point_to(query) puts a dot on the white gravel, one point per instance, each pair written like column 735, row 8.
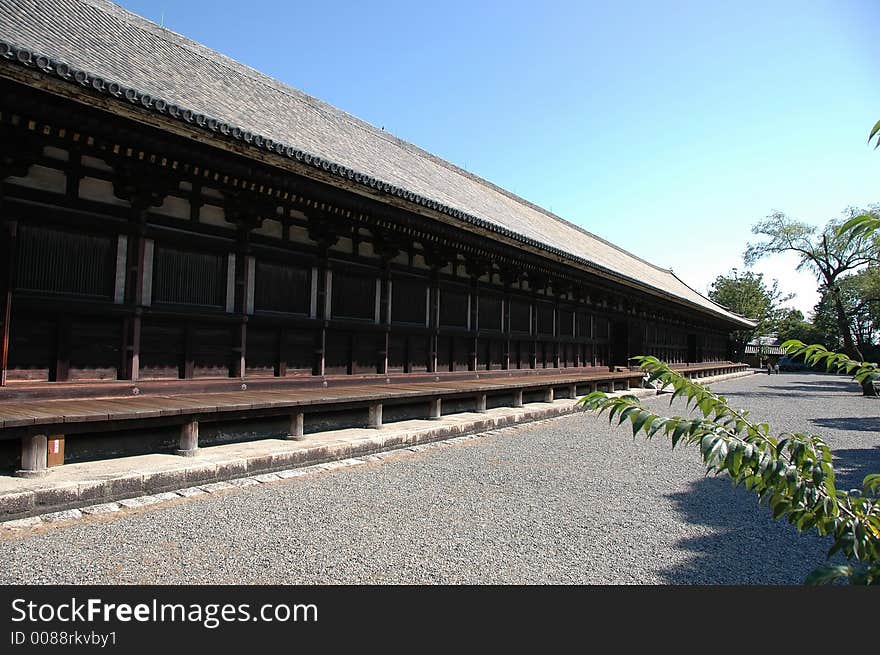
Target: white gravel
column 570, row 500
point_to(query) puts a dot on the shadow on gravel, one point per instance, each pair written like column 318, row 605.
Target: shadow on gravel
column 857, row 423
column 834, row 387
column 851, row 466
column 743, row 544
column 784, row 392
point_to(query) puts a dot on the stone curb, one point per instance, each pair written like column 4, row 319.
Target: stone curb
column 71, row 500
column 99, row 496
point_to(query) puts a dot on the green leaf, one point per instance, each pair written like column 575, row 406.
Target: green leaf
column 871, row 482
column 828, row 573
column 679, row 432
column 875, row 132
column 640, row 420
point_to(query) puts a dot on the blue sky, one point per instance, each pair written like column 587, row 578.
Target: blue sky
column 667, row 128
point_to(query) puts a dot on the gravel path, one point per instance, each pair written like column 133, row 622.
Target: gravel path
column 564, row 501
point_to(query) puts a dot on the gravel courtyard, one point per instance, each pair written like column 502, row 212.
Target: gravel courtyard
column 570, row 500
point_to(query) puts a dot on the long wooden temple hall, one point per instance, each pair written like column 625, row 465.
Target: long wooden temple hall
column 194, row 252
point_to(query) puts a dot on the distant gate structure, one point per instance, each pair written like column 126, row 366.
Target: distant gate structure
column 175, row 221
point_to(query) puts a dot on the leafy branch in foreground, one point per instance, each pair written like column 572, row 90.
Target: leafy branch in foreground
column 816, row 355
column 793, row 472
column 875, row 134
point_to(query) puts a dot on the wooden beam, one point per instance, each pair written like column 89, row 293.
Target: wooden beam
column 7, row 283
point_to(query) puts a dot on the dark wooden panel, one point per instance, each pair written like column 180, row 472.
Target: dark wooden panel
column 365, row 353
column 162, row 350
column 584, row 326
column 520, row 316
column 66, row 262
column 490, row 312
column 261, row 356
column 397, row 353
column 212, row 351
column 94, row 349
column 189, row 277
column 518, row 355
column 299, row 351
column 484, row 354
column 418, row 353
column 565, row 323
column 282, row 288
column 543, row 353
column 31, row 348
column 496, row 354
column 453, row 308
column 407, row 353
column 601, row 327
column 586, row 354
column 408, row 300
column 544, row 312
column 462, row 353
column 354, row 295
column 337, row 352
column 444, row 354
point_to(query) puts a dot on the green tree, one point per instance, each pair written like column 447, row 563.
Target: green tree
column 860, row 296
column 747, row 294
column 791, row 324
column 828, row 253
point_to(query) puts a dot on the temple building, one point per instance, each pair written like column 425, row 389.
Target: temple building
column 173, row 222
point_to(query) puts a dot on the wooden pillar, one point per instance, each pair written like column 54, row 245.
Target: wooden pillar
column 244, row 296
column 385, row 318
column 323, row 309
column 241, row 350
column 374, row 419
column 548, row 395
column 434, row 320
column 61, row 366
column 572, row 390
column 295, row 432
column 533, row 329
column 33, row 456
column 505, row 328
column 139, row 291
column 481, row 403
column 518, row 398
column 189, row 363
column 325, row 234
column 8, row 249
column 555, row 329
column 189, row 439
column 435, row 409
column 473, row 319
column 281, row 355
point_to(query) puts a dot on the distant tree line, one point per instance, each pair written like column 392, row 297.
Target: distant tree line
column 846, row 264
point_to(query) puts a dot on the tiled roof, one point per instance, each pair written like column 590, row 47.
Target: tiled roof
column 101, row 44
